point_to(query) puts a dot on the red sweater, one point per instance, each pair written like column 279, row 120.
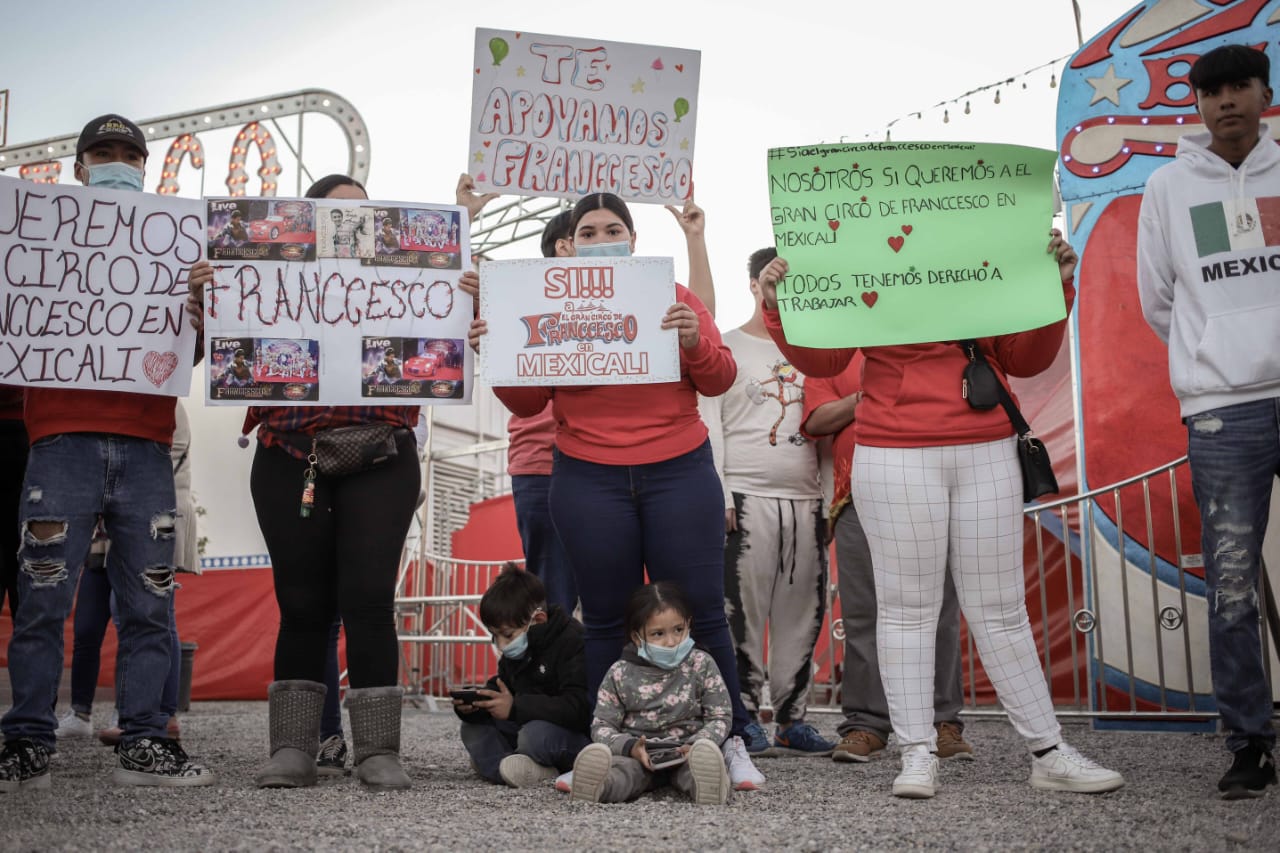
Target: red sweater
column 818, row 391
column 53, row 411
column 911, row 392
column 636, row 424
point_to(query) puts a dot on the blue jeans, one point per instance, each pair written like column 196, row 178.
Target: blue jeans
column 71, row 480
column 546, row 743
column 543, row 553
column 1235, row 456
column 617, row 521
column 95, row 607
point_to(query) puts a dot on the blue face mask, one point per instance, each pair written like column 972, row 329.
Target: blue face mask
column 115, row 176
column 519, row 645
column 667, row 658
column 604, row 250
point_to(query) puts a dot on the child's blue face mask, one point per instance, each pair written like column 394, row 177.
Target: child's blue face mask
column 519, row 645
column 667, row 658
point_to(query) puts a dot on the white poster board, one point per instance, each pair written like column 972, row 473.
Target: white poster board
column 578, row 321
column 93, row 288
column 336, row 302
column 563, row 116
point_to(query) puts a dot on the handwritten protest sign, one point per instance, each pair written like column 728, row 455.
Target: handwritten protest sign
column 578, row 321
column 336, row 302
column 561, row 116
column 908, row 242
column 94, row 287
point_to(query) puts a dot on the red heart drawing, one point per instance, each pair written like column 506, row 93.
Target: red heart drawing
column 662, row 155
column 833, row 223
column 979, row 162
column 817, row 169
column 855, row 165
column 870, row 299
column 517, row 35
column 864, row 198
column 680, row 68
column 986, row 263
column 895, row 243
column 487, row 143
column 159, row 366
column 477, row 70
column 608, row 67
column 906, row 229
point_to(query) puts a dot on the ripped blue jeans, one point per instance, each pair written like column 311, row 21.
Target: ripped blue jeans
column 1235, row 458
column 71, row 480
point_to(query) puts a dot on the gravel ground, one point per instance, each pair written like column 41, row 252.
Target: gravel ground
column 1169, row 803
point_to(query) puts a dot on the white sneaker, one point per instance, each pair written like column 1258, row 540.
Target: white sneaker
column 743, row 775
column 710, row 776
column 71, row 725
column 1064, row 769
column 521, row 771
column 919, row 777
column 591, row 773
column 564, row 782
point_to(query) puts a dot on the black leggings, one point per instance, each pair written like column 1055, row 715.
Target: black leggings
column 13, row 464
column 342, row 560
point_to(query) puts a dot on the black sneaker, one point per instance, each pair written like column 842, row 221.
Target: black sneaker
column 332, row 759
column 158, row 761
column 1251, row 772
column 24, row 764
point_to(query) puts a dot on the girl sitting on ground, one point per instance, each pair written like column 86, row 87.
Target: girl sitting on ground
column 662, row 689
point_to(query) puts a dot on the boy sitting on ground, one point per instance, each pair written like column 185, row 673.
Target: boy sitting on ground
column 533, row 717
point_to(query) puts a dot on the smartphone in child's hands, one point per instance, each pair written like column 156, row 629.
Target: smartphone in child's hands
column 467, row 694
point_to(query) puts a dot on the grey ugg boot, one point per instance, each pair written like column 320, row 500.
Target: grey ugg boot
column 375, row 736
column 294, row 709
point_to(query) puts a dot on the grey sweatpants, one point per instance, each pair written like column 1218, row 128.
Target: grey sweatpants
column 775, row 574
column 861, row 693
column 629, row 779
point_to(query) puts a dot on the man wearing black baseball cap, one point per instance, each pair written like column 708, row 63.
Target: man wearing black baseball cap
column 112, row 153
column 98, row 454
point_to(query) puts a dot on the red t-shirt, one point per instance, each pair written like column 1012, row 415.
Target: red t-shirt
column 54, row 411
column 819, row 391
column 636, row 424
column 529, row 443
column 911, row 392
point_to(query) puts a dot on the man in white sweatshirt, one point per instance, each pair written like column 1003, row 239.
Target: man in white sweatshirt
column 1209, row 279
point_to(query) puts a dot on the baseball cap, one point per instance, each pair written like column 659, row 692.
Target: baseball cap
column 111, row 127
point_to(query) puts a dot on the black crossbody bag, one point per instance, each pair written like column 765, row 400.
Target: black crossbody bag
column 983, row 390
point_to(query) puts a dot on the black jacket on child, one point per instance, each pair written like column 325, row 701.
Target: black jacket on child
column 550, row 682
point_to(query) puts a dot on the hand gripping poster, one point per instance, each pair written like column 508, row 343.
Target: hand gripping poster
column 563, row 116
column 336, row 302
column 578, row 321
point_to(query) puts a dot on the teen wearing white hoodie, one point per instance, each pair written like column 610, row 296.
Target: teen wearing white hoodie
column 1209, row 280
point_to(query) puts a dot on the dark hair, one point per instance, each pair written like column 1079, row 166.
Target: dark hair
column 236, row 213
column 598, row 201
column 653, row 598
column 1230, row 63
column 760, row 259
column 329, row 183
column 557, row 229
column 238, row 354
column 512, row 598
column 390, row 351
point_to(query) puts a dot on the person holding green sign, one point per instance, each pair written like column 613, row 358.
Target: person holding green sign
column 936, row 480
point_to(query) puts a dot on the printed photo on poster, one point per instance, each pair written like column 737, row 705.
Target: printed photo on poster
column 413, row 368
column 262, row 229
column 345, row 232
column 433, row 235
column 264, row 369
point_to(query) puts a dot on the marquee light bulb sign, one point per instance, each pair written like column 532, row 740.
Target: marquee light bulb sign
column 253, row 142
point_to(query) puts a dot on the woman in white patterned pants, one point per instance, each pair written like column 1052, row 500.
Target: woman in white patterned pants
column 936, row 481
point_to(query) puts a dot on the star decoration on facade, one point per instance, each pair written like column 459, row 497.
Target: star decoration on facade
column 478, row 156
column 637, row 87
column 1108, row 86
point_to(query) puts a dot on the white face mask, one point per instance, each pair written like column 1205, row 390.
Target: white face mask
column 604, row 250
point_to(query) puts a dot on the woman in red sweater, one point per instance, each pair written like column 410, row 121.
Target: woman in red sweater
column 633, row 484
column 934, row 478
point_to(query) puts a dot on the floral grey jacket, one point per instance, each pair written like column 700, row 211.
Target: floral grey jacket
column 638, row 699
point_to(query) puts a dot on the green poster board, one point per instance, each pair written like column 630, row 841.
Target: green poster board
column 909, row 242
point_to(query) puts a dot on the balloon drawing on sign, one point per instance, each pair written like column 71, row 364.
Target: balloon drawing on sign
column 681, row 107
column 499, row 48
column 657, row 64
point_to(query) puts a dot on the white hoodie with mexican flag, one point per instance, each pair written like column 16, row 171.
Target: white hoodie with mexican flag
column 1209, row 272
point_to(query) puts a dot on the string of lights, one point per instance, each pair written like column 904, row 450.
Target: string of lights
column 968, row 97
